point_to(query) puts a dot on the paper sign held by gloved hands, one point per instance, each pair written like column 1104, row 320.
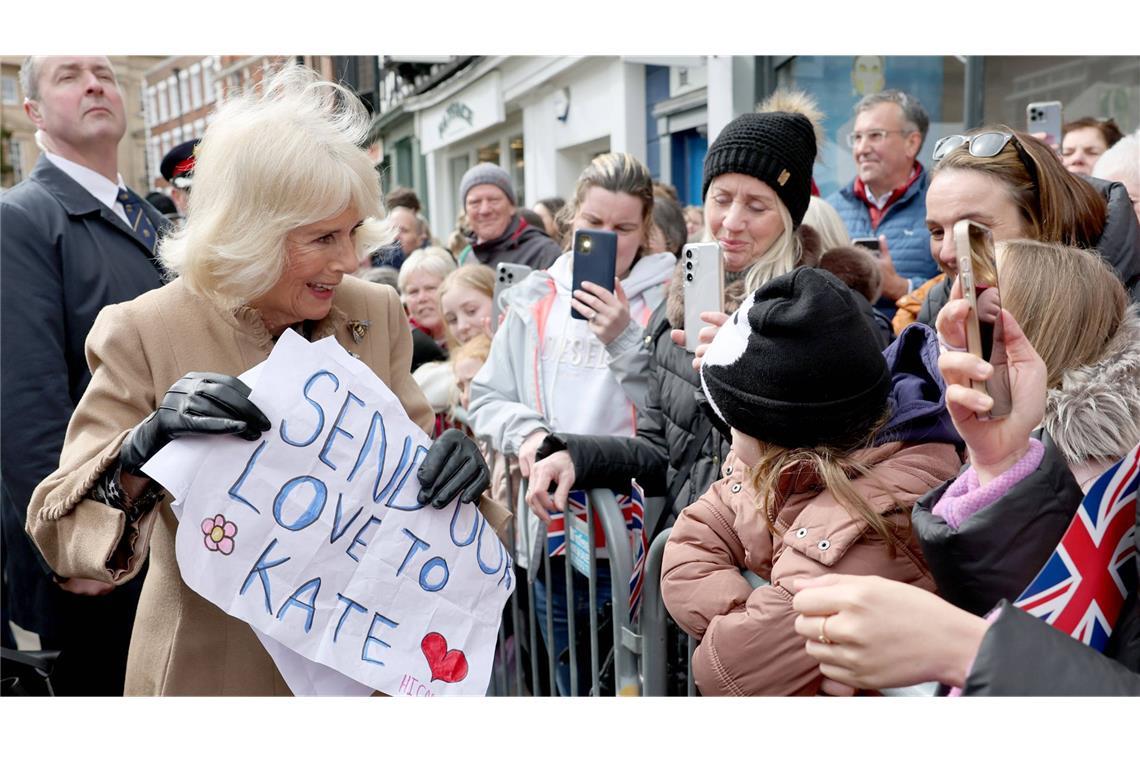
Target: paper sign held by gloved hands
column 313, row 535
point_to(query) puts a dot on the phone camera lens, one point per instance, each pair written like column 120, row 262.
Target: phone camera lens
column 688, row 265
column 689, row 276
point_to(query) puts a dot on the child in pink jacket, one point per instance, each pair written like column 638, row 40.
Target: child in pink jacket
column 832, row 445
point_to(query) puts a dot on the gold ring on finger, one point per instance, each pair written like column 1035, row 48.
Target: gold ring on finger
column 823, row 630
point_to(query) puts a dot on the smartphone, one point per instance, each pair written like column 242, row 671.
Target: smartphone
column 703, row 286
column 1045, row 117
column 985, row 338
column 595, row 260
column 870, row 243
column 506, row 275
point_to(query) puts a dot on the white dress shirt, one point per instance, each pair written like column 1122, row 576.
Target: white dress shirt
column 104, row 190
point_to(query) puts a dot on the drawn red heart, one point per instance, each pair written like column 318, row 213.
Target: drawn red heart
column 449, row 666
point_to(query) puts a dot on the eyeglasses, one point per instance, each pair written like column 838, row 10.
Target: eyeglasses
column 985, row 145
column 874, row 136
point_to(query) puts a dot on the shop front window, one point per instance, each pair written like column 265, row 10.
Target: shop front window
column 517, row 169
column 458, row 167
column 1098, row 86
column 11, row 91
column 489, row 154
column 838, row 82
column 404, row 167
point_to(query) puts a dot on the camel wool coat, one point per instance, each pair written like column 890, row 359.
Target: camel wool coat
column 181, row 643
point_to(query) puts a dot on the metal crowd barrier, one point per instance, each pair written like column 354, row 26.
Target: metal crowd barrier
column 639, row 653
column 507, row 677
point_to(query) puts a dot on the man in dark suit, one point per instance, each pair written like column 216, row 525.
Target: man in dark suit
column 74, row 240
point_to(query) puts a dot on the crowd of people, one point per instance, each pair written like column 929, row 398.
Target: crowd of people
column 830, row 432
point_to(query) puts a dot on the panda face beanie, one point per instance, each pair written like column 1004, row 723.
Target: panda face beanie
column 797, row 365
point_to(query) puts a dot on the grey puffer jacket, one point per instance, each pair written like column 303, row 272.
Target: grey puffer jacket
column 1119, row 245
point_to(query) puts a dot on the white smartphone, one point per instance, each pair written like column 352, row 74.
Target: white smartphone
column 1045, row 117
column 506, row 275
column 703, row 286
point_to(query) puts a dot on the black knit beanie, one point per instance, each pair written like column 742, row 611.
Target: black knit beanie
column 797, row 365
column 778, row 148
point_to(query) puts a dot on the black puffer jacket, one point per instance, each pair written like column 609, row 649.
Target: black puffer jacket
column 678, row 449
column 672, row 429
column 1119, row 245
column 1009, row 662
column 992, row 557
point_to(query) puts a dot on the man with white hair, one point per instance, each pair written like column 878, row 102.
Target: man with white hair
column 1121, row 163
column 498, row 232
column 75, row 239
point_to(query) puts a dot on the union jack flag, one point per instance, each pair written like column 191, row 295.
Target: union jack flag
column 633, row 510
column 640, row 540
column 1082, row 588
column 576, row 505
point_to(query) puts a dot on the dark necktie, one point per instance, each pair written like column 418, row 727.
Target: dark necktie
column 137, row 217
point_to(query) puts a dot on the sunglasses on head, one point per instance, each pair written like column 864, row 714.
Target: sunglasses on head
column 981, row 145
column 984, row 145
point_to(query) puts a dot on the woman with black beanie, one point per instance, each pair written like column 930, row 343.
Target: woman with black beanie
column 756, row 185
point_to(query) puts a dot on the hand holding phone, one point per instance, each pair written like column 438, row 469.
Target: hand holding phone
column 703, row 287
column 506, row 275
column 978, row 280
column 594, row 260
column 870, row 243
column 994, row 445
column 1044, row 118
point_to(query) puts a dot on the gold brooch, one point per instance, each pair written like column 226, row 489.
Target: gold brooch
column 357, row 328
column 784, row 177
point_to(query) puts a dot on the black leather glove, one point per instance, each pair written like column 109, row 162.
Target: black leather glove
column 453, row 466
column 200, row 403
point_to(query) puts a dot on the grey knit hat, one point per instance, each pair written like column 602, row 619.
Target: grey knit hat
column 486, row 174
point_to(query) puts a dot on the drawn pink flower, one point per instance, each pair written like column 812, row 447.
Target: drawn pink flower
column 219, row 534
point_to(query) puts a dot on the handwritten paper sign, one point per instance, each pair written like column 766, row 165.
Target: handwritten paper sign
column 312, row 534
